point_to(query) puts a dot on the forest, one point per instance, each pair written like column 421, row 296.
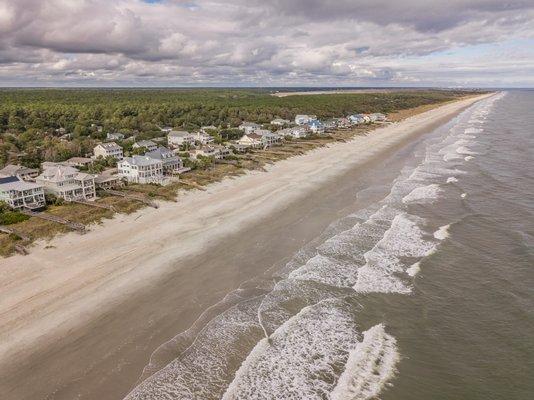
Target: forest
column 55, row 124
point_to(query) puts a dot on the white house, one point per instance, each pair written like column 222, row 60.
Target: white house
column 203, row 138
column 171, row 163
column 251, row 140
column 67, row 182
column 176, row 139
column 114, row 136
column 110, row 149
column 297, row 132
column 147, row 144
column 303, row 119
column 268, row 138
column 377, row 117
column 249, row 127
column 316, row 127
column 19, row 171
column 19, row 194
column 141, row 169
column 280, row 122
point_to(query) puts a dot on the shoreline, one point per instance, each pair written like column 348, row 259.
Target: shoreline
column 83, row 277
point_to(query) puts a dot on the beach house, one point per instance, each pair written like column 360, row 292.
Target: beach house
column 110, row 149
column 269, row 138
column 303, row 119
column 149, row 145
column 316, row 127
column 19, row 194
column 296, row 132
column 19, row 171
column 280, row 122
column 171, row 163
column 203, row 138
column 175, row 139
column 67, row 182
column 141, row 169
column 249, row 127
column 114, row 136
column 251, row 140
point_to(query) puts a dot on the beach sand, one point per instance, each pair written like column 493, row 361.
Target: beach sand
column 79, row 318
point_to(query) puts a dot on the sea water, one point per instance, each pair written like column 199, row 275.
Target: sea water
column 426, row 294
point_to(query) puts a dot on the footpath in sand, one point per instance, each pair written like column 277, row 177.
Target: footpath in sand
column 46, row 292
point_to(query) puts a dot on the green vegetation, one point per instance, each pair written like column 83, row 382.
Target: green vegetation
column 8, row 217
column 33, row 122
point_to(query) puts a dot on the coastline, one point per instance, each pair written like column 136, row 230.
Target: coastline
column 51, row 291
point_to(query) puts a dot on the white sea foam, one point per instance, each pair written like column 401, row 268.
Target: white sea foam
column 328, row 271
column 442, row 233
column 423, row 194
column 464, row 195
column 452, row 179
column 464, row 150
column 370, row 366
column 414, row 269
column 403, row 239
column 300, row 359
column 473, row 130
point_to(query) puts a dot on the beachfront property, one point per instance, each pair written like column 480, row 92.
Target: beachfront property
column 303, row 119
column 203, row 138
column 280, row 122
column 141, row 169
column 343, row 123
column 249, row 127
column 171, row 163
column 110, row 149
column 149, row 145
column 166, row 129
column 108, row 181
column 252, row 140
column 269, row 138
column 78, row 162
column 19, row 194
column 358, row 119
column 19, row 171
column 316, row 127
column 175, row 139
column 67, row 182
column 296, row 132
column 114, row 136
column 377, row 117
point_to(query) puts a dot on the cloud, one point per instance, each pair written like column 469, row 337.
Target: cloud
column 253, row 42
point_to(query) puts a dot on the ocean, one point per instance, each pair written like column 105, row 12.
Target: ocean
column 426, row 293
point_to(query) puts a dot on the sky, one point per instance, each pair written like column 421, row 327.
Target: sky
column 452, row 43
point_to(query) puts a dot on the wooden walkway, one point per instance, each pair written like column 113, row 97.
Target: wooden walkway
column 54, row 218
column 132, row 197
column 93, row 204
column 11, row 231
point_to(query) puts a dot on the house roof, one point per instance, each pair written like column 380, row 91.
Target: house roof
column 14, row 183
column 145, row 143
column 14, row 170
column 161, row 153
column 140, row 160
column 109, row 146
column 181, row 134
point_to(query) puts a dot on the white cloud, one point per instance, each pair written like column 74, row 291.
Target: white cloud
column 277, row 42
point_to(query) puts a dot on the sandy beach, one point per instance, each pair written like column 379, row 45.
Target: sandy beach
column 78, row 281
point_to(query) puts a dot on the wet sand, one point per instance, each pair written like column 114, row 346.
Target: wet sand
column 80, row 320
